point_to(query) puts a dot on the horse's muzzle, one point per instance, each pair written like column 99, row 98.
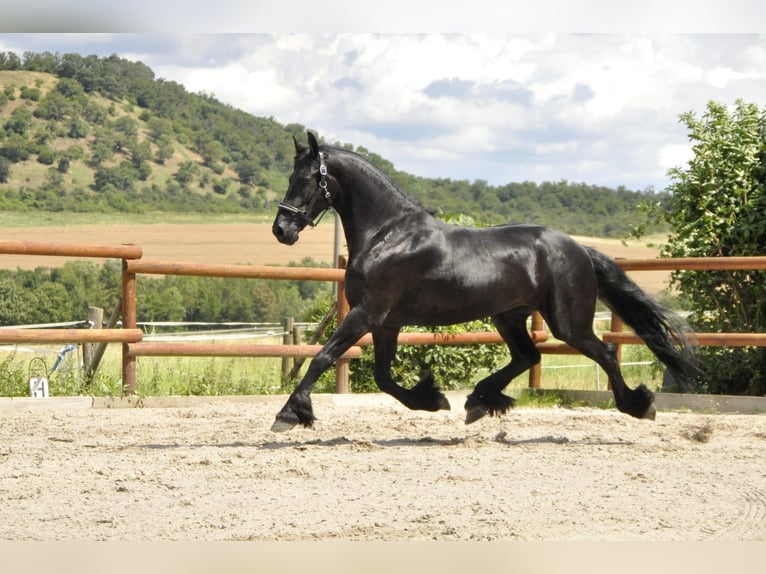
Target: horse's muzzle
column 285, row 231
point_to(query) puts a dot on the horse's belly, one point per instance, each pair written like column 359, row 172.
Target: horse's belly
column 447, row 305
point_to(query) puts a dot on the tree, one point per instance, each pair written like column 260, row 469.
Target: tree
column 17, row 148
column 9, row 61
column 46, row 155
column 248, row 171
column 125, row 132
column 716, row 208
column 54, row 106
column 165, row 150
column 186, row 172
column 102, row 149
column 20, row 121
column 77, row 129
column 122, row 177
column 160, row 302
column 13, row 307
column 5, row 169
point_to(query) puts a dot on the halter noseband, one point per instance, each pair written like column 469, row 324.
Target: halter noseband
column 322, row 191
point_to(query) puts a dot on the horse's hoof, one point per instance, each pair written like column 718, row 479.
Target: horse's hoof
column 475, row 414
column 650, row 413
column 444, row 404
column 282, row 425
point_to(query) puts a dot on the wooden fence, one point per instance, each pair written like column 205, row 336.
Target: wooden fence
column 131, row 337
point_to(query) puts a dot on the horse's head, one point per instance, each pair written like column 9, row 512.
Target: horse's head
column 307, row 196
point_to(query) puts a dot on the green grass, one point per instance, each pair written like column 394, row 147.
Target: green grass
column 155, row 376
column 80, row 175
column 578, row 372
column 165, row 376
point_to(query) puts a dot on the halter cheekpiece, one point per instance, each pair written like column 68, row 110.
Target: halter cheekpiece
column 321, row 192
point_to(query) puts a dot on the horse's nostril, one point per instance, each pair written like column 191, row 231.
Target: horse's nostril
column 278, row 231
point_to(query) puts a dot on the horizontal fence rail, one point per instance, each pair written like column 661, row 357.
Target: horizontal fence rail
column 239, row 271
column 71, row 249
column 628, row 338
column 693, row 264
column 131, row 337
column 70, row 335
column 704, row 339
column 214, row 350
column 476, row 338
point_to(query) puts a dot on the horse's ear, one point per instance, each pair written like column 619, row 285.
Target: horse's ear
column 299, row 147
column 314, row 145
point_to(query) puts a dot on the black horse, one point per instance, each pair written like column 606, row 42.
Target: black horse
column 406, row 267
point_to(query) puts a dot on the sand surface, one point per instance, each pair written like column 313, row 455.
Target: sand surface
column 372, row 470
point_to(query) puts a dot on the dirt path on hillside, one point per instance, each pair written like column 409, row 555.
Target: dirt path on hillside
column 371, row 470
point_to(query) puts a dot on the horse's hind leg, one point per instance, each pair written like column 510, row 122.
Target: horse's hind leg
column 576, row 329
column 424, row 396
column 487, row 397
column 635, row 402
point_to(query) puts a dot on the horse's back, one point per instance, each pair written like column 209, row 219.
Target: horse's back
column 484, row 271
column 520, row 241
column 537, row 260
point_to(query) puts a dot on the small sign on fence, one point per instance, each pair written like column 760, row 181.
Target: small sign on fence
column 38, row 387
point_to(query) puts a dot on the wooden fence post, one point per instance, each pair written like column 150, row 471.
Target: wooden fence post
column 341, row 365
column 128, row 322
column 287, row 339
column 535, row 373
column 318, row 332
column 99, row 348
column 615, row 326
column 96, row 320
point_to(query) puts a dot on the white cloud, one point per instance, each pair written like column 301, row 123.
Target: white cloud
column 600, row 108
column 721, row 76
column 674, row 155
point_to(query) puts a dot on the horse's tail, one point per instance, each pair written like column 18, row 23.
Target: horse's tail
column 660, row 328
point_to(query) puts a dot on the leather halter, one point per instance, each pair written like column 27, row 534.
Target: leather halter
column 322, row 191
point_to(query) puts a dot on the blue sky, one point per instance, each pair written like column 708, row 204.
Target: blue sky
column 582, row 100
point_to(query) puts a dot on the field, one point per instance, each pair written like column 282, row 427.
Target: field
column 227, row 243
column 232, row 242
column 371, row 470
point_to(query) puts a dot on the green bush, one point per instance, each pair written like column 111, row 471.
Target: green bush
column 453, row 366
column 716, row 209
column 13, row 382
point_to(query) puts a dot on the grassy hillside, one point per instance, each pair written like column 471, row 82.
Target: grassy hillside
column 88, row 134
column 94, row 156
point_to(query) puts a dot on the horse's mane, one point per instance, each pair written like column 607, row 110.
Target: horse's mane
column 378, row 177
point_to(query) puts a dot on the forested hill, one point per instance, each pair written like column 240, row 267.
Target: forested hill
column 104, row 134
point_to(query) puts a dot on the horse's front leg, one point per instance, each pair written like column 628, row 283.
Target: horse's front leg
column 298, row 409
column 423, row 396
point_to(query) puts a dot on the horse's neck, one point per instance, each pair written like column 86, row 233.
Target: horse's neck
column 369, row 207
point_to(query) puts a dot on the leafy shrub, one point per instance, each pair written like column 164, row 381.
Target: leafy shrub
column 716, row 210
column 453, row 366
column 13, row 382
